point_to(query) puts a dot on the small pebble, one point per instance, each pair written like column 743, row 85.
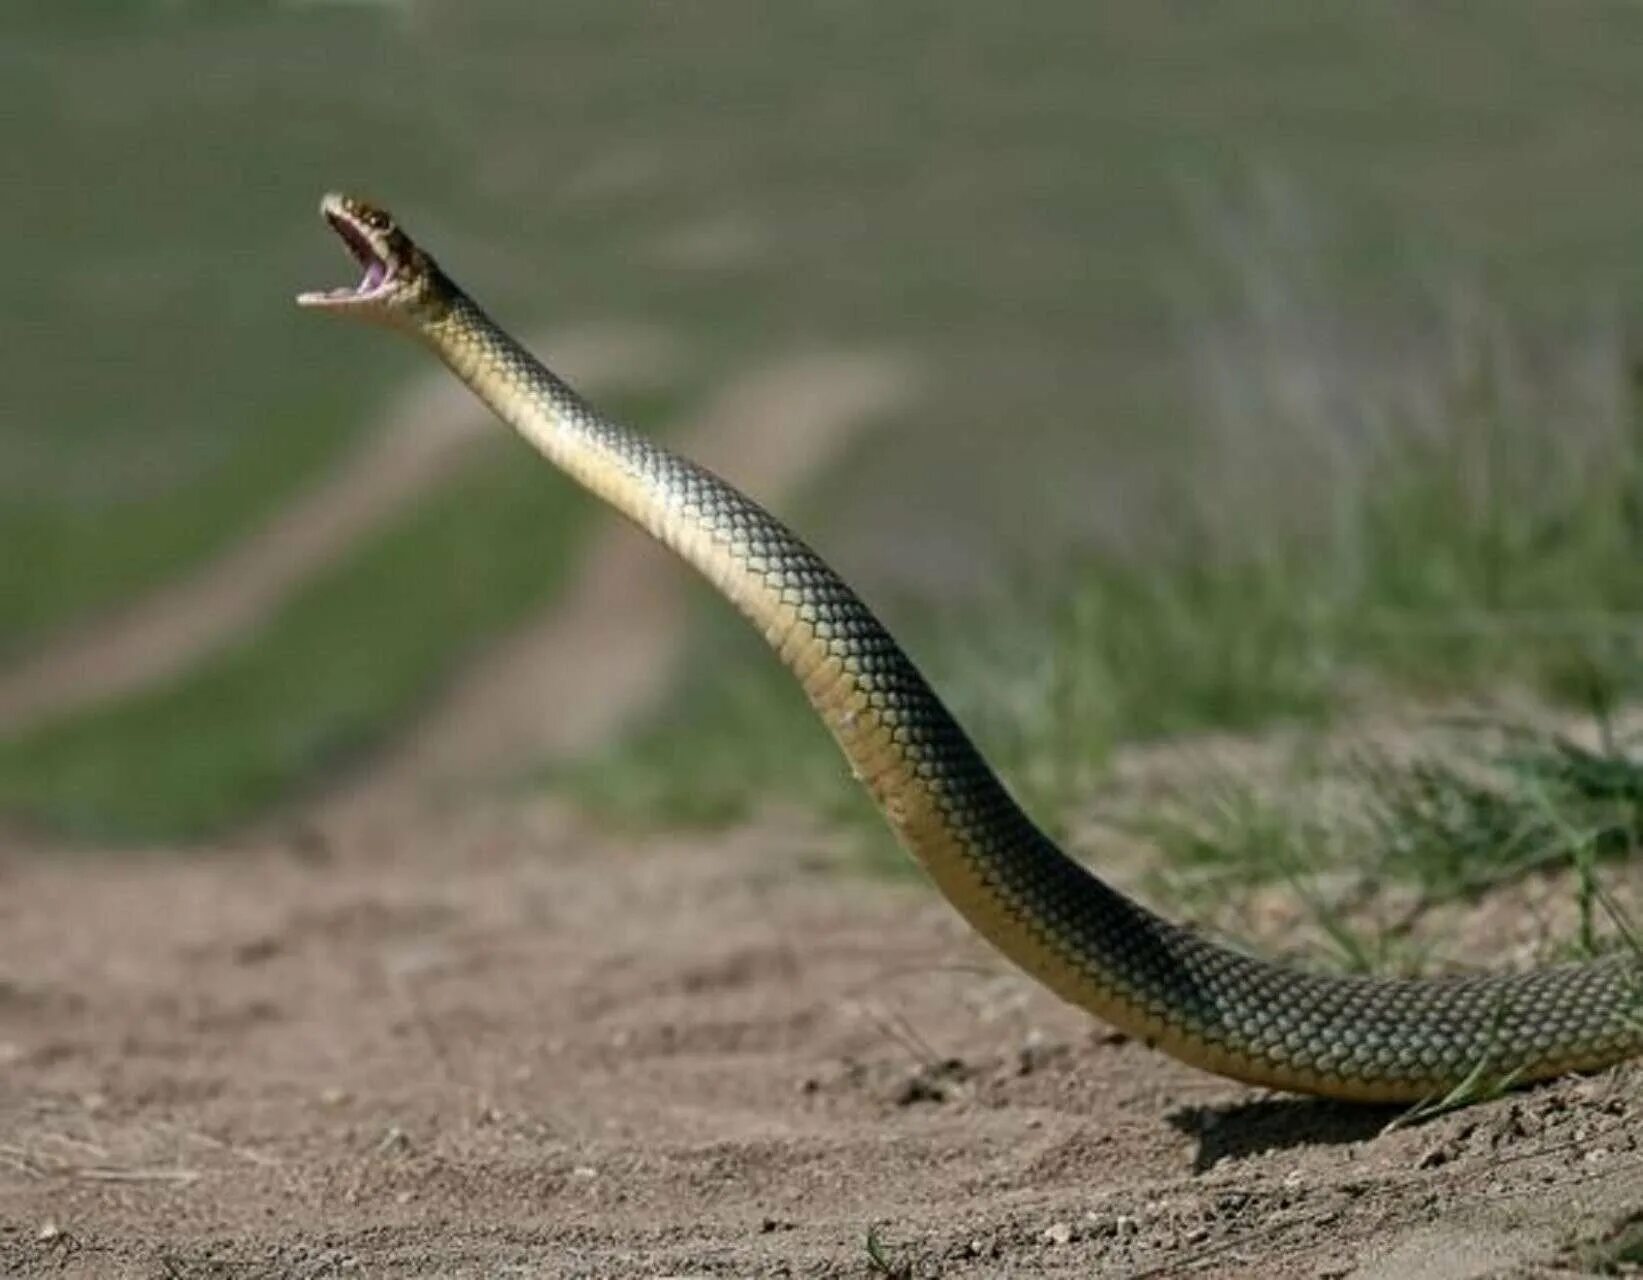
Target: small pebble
column 1058, row 1233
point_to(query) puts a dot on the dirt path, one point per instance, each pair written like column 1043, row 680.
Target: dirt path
column 421, row 438
column 573, row 677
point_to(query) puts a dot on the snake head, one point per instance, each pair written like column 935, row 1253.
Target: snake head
column 402, row 285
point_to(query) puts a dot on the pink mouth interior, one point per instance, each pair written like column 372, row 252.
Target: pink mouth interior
column 376, row 270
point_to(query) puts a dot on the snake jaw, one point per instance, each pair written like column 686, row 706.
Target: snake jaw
column 382, row 250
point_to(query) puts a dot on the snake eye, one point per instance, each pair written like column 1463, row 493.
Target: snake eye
column 364, row 214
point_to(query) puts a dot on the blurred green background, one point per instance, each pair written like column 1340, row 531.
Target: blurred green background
column 1251, row 333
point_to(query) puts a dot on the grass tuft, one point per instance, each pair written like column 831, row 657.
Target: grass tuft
column 881, row 1263
column 1462, row 823
column 1371, row 844
column 1619, row 1252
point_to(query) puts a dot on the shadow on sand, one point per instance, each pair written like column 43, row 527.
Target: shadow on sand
column 1277, row 1124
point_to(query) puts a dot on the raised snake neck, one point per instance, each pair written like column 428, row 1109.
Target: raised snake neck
column 1346, row 1036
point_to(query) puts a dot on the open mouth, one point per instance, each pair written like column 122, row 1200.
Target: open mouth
column 378, row 273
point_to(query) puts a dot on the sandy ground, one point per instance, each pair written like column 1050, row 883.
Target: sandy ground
column 517, row 1046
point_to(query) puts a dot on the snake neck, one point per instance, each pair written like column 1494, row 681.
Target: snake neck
column 944, row 803
column 771, row 576
column 529, row 397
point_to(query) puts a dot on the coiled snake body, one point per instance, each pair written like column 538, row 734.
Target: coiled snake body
column 1367, row 1038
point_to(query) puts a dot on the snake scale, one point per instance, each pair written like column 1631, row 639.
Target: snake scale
column 1345, row 1036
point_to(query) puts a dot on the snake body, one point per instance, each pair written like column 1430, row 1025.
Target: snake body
column 1355, row 1037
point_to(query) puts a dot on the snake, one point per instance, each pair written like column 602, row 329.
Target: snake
column 1353, row 1036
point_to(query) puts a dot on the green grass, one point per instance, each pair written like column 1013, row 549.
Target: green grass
column 1463, row 825
column 68, row 560
column 1026, row 228
column 1619, row 1252
column 1480, row 808
column 1005, row 198
column 883, row 1261
column 163, row 394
